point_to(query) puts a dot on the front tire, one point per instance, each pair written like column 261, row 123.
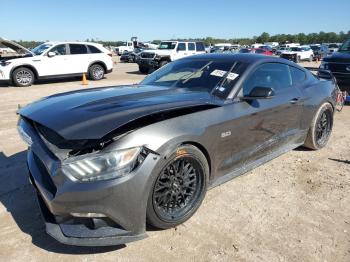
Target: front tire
column 143, row 70
column 179, row 189
column 163, row 63
column 96, row 72
column 23, row 77
column 321, row 128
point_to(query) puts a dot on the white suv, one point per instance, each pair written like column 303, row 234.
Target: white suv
column 168, row 51
column 52, row 60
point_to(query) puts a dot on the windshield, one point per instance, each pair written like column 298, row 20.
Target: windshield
column 167, row 45
column 295, row 48
column 40, row 49
column 315, row 47
column 217, row 77
column 333, row 46
column 345, row 47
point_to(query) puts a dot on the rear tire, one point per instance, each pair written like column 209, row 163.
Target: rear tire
column 179, row 189
column 320, row 128
column 23, row 77
column 96, row 72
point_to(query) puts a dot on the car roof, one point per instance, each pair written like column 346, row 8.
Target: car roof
column 243, row 57
column 71, row 42
column 182, row 41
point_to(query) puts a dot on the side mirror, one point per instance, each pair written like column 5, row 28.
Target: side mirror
column 325, row 74
column 260, row 92
column 51, row 54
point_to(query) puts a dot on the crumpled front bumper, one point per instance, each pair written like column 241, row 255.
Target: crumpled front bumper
column 120, row 202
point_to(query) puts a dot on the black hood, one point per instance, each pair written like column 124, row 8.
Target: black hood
column 340, row 57
column 93, row 113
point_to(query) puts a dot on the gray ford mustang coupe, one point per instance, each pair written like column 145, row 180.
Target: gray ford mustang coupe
column 107, row 161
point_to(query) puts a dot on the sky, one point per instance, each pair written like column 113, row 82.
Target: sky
column 165, row 19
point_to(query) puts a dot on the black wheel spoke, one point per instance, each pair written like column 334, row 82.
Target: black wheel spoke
column 323, row 128
column 178, row 188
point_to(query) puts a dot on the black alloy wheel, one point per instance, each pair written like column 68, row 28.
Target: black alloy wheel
column 323, row 128
column 179, row 188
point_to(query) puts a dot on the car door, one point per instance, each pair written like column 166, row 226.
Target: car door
column 77, row 59
column 264, row 126
column 53, row 65
column 181, row 50
column 191, row 47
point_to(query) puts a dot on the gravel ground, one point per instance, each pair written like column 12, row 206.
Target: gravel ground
column 294, row 208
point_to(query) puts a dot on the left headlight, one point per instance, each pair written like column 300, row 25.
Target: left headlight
column 102, row 166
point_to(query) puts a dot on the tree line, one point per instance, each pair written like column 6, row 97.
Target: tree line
column 321, row 37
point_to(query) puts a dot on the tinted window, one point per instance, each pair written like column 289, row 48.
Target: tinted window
column 298, row 75
column 59, row 50
column 259, row 51
column 191, row 47
column 200, row 46
column 274, row 75
column 181, row 47
column 94, row 49
column 76, row 49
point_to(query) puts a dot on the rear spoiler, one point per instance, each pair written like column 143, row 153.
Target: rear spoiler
column 322, row 73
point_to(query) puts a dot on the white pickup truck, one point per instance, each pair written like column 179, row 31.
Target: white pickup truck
column 168, row 51
column 127, row 46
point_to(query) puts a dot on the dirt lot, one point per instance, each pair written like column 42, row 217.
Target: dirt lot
column 295, row 208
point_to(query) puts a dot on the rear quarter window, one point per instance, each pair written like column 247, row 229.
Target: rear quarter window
column 94, row 49
column 298, row 76
column 200, row 46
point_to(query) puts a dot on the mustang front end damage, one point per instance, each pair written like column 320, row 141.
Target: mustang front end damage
column 90, row 199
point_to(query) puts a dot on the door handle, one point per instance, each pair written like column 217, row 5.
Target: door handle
column 294, row 100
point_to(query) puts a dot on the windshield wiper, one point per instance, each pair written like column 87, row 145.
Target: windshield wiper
column 185, row 80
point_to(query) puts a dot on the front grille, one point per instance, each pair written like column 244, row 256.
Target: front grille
column 338, row 67
column 44, row 176
column 147, row 55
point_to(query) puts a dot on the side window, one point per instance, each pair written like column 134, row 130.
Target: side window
column 76, row 49
column 94, row 49
column 298, row 76
column 200, row 46
column 181, row 47
column 274, row 75
column 59, row 49
column 191, row 47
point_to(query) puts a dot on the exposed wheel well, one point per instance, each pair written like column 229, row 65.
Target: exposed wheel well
column 99, row 63
column 166, row 58
column 36, row 75
column 202, row 149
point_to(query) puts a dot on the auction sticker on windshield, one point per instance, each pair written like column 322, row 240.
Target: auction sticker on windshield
column 219, row 73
